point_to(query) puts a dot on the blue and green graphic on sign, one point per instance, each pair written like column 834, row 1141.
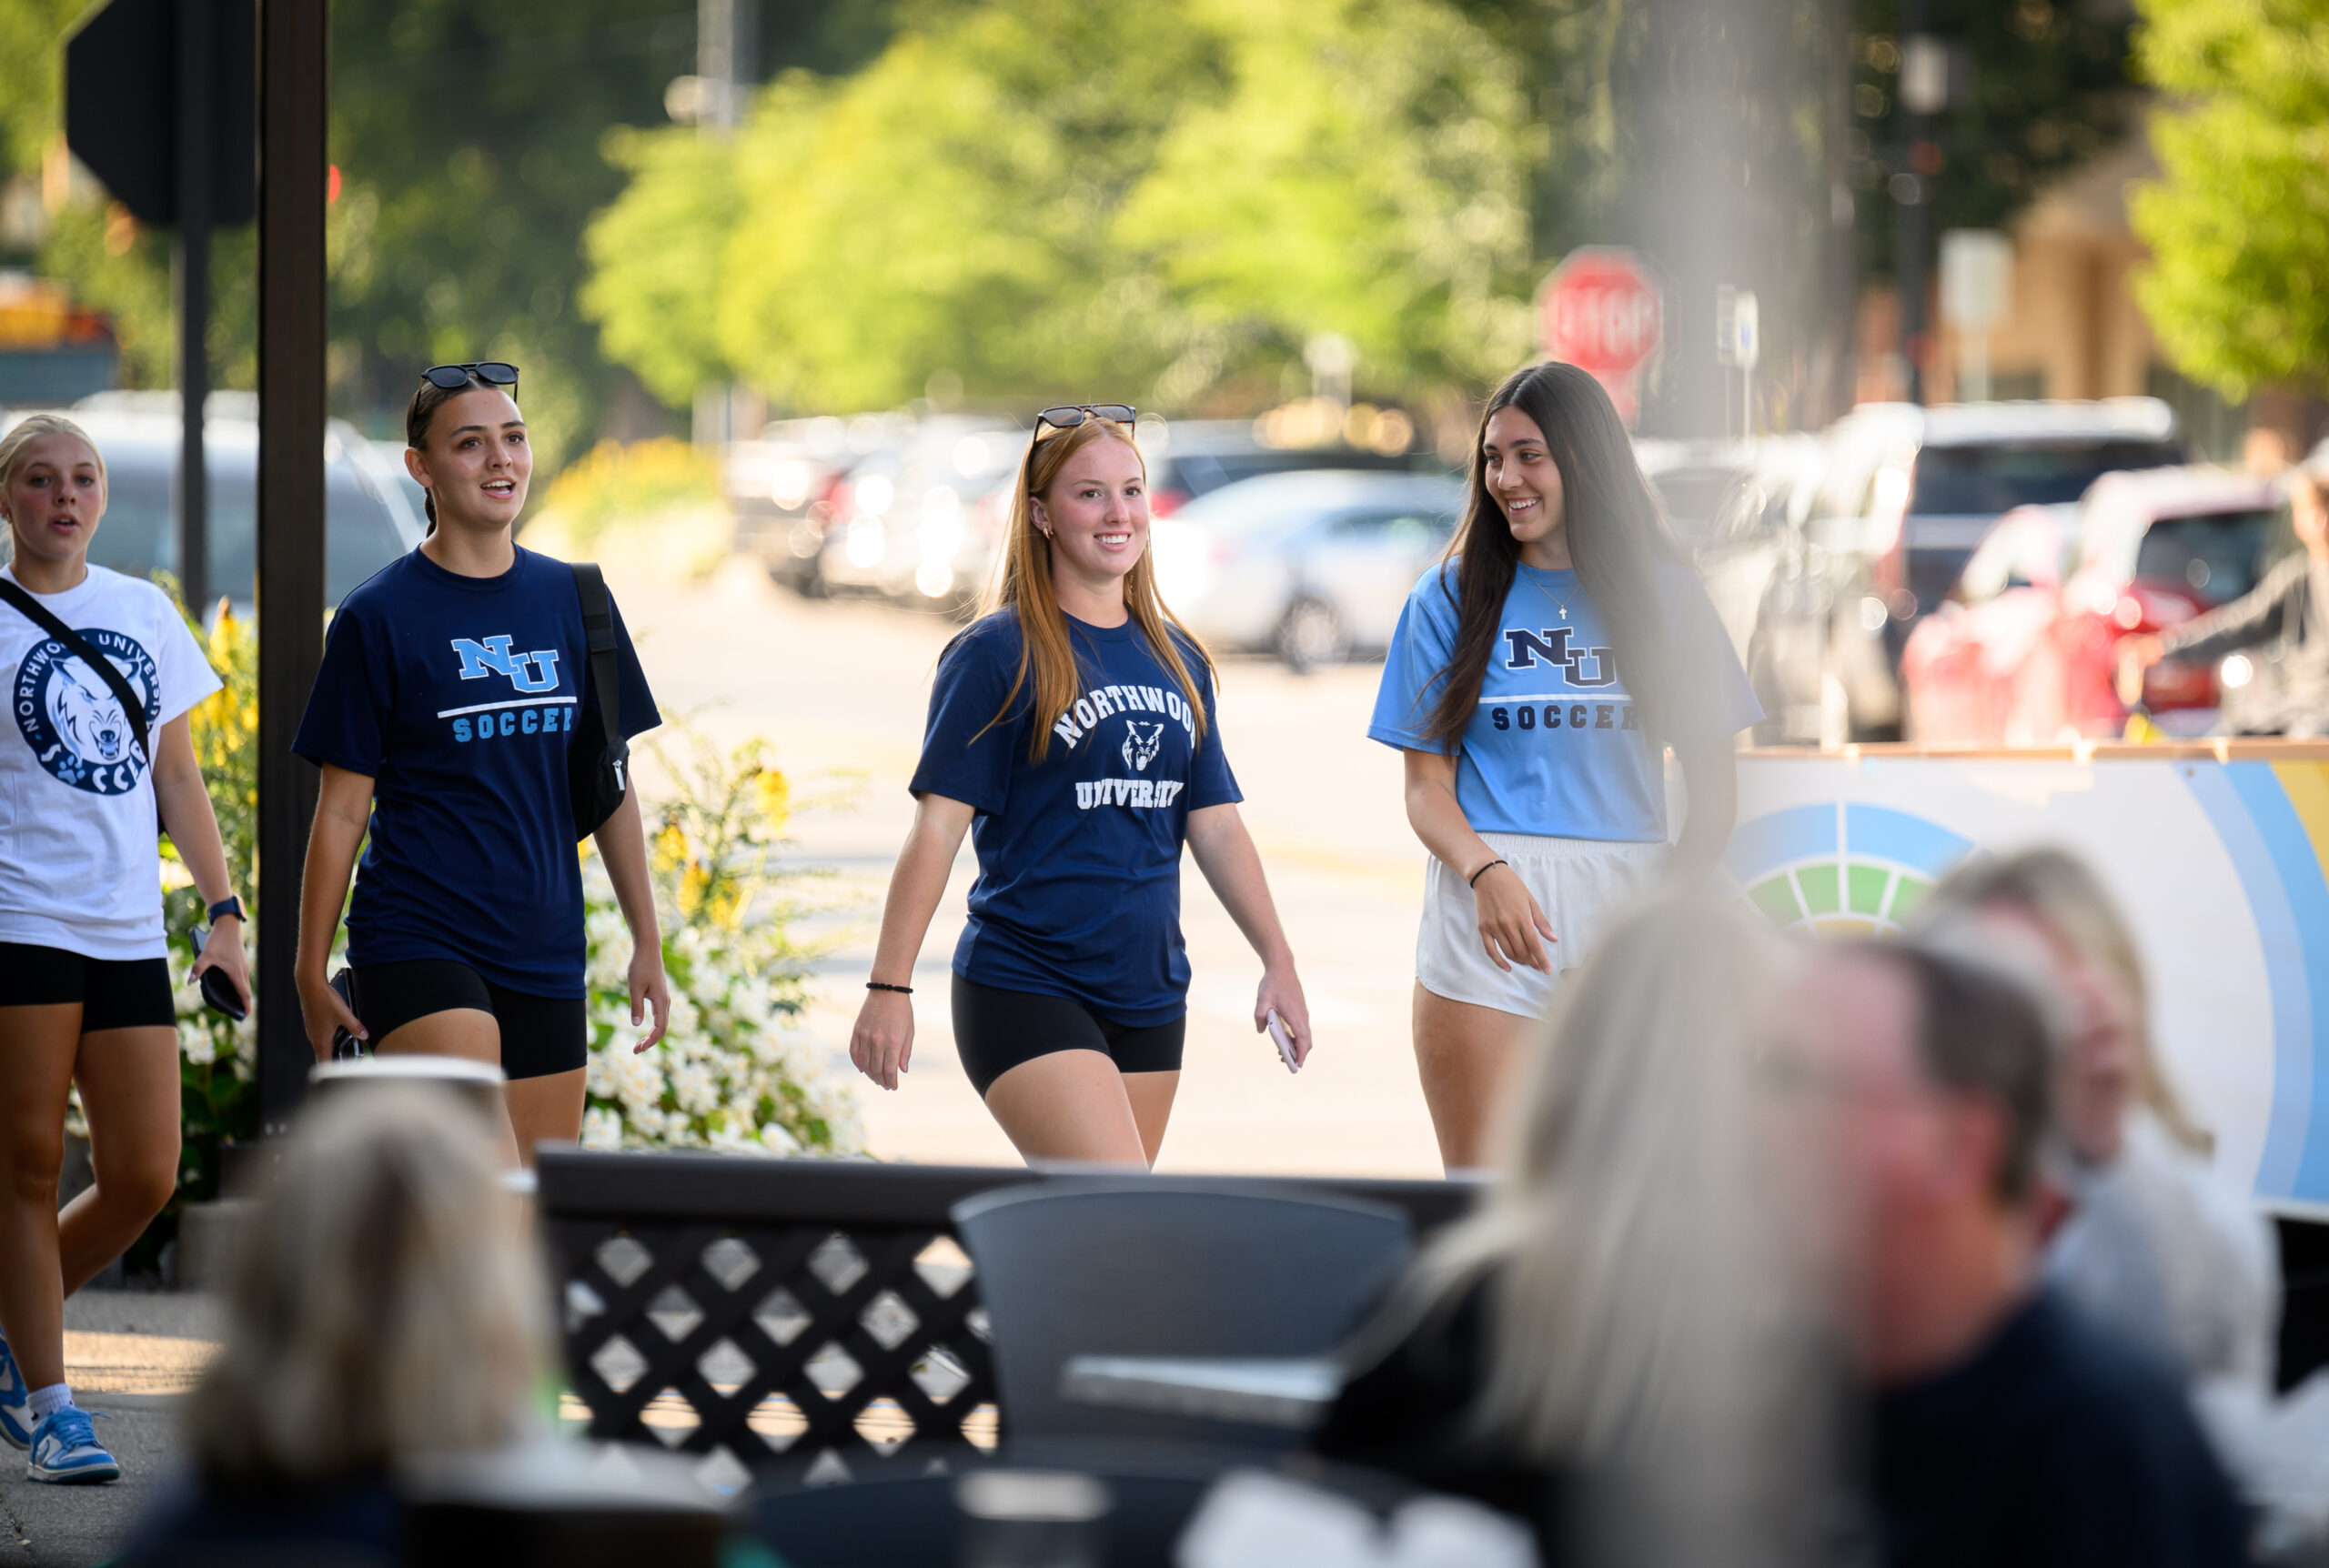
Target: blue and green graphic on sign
column 1834, row 869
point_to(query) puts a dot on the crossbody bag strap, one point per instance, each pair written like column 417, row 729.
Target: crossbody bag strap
column 599, row 626
column 131, row 708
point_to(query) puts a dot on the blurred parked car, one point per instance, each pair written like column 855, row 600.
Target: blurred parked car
column 1984, row 668
column 1190, row 458
column 774, row 483
column 368, row 521
column 2023, row 654
column 1695, row 481
column 1905, row 496
column 1312, row 567
column 1766, row 495
column 901, row 520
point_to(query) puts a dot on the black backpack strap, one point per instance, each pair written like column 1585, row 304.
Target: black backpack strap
column 131, row 708
column 599, row 625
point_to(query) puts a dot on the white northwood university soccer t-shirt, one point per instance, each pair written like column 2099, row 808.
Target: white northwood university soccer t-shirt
column 79, row 868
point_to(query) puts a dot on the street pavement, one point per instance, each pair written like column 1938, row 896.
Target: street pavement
column 842, row 689
column 130, row 1356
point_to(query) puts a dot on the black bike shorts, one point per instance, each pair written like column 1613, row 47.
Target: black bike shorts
column 996, row 1030
column 114, row 993
column 540, row 1034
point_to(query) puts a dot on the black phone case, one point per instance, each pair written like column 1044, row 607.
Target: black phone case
column 218, row 992
column 346, row 1047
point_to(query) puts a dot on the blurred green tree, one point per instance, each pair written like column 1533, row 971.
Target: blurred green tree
column 1366, row 174
column 470, row 142
column 654, row 259
column 1010, row 194
column 2045, row 88
column 2238, row 225
column 113, row 264
column 467, row 137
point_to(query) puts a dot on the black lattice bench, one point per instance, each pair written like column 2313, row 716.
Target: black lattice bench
column 802, row 1318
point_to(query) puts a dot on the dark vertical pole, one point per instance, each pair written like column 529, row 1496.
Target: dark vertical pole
column 1912, row 210
column 293, row 56
column 196, row 84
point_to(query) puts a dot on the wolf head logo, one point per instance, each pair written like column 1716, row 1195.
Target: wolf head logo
column 1141, row 741
column 88, row 716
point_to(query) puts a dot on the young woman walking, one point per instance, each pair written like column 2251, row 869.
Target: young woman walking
column 1072, row 733
column 452, row 685
column 85, row 985
column 1534, row 683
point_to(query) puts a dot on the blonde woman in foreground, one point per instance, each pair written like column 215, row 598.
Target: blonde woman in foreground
column 1072, row 735
column 390, row 1307
column 1614, row 1348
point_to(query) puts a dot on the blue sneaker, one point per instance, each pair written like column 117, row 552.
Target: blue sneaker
column 15, row 1401
column 65, row 1450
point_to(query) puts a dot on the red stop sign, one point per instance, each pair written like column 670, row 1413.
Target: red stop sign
column 1600, row 311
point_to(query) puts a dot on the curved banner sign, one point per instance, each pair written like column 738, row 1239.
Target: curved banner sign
column 2219, row 854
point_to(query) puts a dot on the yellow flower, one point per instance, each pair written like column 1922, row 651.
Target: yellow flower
column 773, row 797
column 671, row 847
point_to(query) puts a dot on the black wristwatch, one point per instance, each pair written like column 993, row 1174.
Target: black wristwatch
column 229, row 905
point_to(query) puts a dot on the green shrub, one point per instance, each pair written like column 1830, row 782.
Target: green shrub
column 735, row 1072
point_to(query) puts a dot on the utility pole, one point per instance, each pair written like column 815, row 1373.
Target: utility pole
column 1925, row 93
column 725, row 43
column 295, row 57
column 198, row 44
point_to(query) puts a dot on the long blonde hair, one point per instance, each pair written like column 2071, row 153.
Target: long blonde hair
column 1023, row 585
column 1641, row 1319
column 389, row 1303
column 2061, row 893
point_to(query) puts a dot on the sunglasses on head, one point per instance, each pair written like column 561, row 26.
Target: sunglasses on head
column 453, row 377
column 1067, row 417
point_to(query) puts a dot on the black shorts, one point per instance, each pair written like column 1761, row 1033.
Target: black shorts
column 996, row 1030
column 540, row 1034
column 114, row 993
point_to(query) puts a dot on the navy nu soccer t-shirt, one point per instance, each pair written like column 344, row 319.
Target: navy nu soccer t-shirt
column 1079, row 886
column 458, row 697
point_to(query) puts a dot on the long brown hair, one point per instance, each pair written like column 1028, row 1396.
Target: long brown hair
column 1023, row 585
column 1617, row 537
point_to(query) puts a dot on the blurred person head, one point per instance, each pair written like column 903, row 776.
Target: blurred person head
column 1925, row 1075
column 52, row 488
column 1638, row 1247
column 1080, row 506
column 2265, row 451
column 389, row 1303
column 466, row 446
column 1552, row 457
column 2048, row 906
column 2309, row 506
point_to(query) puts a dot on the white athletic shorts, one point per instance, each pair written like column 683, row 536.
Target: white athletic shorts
column 1583, row 885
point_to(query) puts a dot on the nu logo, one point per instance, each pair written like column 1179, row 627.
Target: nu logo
column 1551, row 645
column 535, row 671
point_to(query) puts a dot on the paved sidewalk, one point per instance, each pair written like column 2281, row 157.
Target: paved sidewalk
column 131, row 1356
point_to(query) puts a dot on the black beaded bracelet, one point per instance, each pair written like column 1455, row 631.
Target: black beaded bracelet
column 900, row 990
column 1474, row 881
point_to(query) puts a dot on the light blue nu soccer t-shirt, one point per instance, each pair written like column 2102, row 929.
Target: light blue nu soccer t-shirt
column 1555, row 748
column 458, row 697
column 1079, row 886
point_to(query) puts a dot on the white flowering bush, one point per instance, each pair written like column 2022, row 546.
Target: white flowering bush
column 736, row 1071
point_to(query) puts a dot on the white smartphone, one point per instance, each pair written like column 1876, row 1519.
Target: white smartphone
column 1284, row 1039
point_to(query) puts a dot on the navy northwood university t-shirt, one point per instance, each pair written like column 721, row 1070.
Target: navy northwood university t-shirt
column 1079, row 886
column 458, row 697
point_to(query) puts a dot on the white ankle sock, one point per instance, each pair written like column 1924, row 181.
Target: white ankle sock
column 48, row 1401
